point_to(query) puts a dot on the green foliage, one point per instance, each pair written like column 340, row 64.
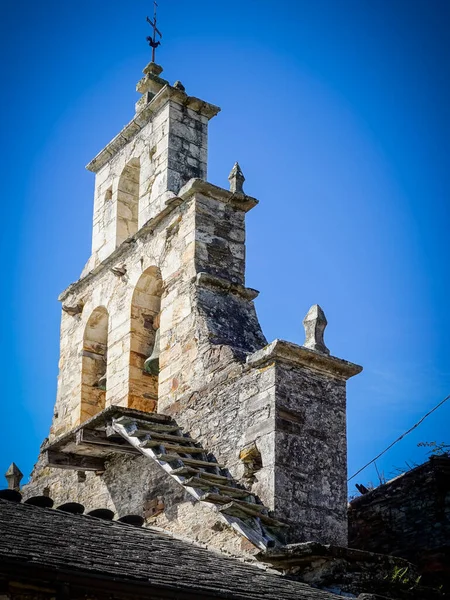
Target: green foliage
column 403, row 576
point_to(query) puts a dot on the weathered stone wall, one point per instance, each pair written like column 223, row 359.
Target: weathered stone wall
column 220, row 238
column 311, row 453
column 294, row 417
column 408, row 517
column 233, row 410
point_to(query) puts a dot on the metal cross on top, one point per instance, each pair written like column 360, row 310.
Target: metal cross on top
column 152, row 40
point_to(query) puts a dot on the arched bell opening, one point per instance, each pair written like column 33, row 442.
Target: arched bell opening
column 128, row 201
column 94, row 362
column 144, row 346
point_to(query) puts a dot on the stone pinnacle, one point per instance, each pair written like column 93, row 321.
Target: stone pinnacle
column 13, row 476
column 236, row 179
column 315, row 323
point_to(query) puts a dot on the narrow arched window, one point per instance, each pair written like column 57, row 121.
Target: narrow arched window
column 94, row 363
column 144, row 348
column 128, row 201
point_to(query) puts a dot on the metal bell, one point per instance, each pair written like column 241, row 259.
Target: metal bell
column 151, row 365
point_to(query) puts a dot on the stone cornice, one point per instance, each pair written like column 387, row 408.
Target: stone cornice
column 199, row 186
column 207, row 280
column 144, row 116
column 286, row 352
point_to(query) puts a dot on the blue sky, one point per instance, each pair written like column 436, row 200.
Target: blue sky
column 338, row 113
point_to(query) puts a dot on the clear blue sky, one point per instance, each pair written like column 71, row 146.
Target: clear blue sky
column 338, row 113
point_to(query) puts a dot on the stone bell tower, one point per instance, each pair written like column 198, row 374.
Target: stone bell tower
column 112, row 315
column 165, row 374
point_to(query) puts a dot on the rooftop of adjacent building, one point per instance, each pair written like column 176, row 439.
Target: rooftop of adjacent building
column 42, row 544
column 436, row 467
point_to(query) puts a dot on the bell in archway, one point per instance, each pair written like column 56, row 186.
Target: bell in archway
column 101, row 383
column 151, row 365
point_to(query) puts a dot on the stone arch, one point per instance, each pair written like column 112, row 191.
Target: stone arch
column 94, row 361
column 128, row 201
column 145, row 311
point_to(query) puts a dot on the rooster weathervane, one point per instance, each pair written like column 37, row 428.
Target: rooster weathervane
column 152, row 39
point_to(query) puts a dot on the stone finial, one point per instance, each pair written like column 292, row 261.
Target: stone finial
column 13, row 476
column 315, row 323
column 236, row 179
column 150, row 84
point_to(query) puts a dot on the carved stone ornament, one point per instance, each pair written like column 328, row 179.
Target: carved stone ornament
column 236, row 179
column 315, row 323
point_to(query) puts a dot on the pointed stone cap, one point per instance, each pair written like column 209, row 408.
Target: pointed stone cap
column 236, row 179
column 150, row 84
column 153, row 69
column 13, row 476
column 315, row 323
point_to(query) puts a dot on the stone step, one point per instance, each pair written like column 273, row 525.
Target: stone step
column 204, row 484
column 152, row 428
column 149, row 418
column 171, row 448
column 244, row 510
column 158, row 435
column 213, row 477
column 189, row 461
column 250, row 508
column 214, row 498
column 150, row 443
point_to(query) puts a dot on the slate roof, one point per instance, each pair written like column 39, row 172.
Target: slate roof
column 34, row 539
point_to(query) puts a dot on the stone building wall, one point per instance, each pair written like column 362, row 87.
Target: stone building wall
column 285, row 413
column 311, row 455
column 408, row 517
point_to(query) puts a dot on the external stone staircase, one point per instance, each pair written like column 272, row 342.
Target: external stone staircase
column 160, row 439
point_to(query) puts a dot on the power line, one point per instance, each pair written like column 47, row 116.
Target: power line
column 400, row 438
